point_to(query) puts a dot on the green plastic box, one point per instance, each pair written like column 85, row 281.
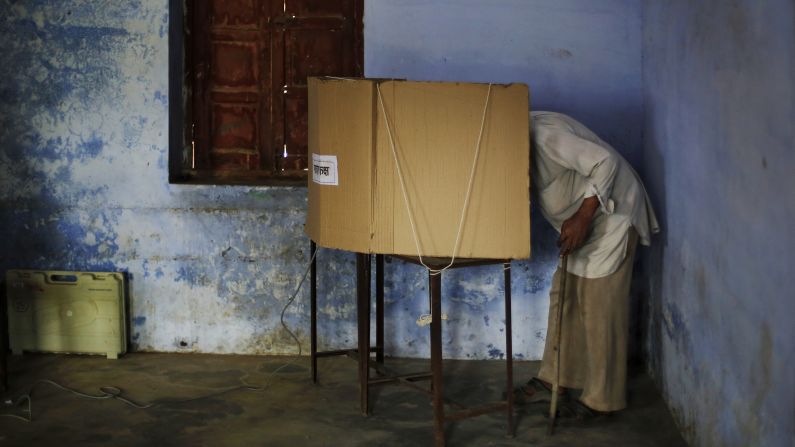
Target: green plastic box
column 67, row 312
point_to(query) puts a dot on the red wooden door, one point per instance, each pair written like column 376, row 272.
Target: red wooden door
column 250, row 62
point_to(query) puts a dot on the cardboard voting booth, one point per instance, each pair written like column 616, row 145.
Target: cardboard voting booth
column 361, row 200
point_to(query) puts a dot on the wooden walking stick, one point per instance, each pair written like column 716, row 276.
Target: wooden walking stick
column 553, row 404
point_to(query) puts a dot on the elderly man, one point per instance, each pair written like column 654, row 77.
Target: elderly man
column 594, row 198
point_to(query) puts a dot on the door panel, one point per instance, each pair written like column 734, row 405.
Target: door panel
column 239, row 91
column 250, row 60
column 318, row 41
column 235, row 127
column 294, row 154
column 242, row 13
column 317, row 52
column 235, row 65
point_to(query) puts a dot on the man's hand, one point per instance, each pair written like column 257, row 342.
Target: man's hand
column 576, row 228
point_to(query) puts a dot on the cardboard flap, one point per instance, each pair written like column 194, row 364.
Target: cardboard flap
column 340, row 116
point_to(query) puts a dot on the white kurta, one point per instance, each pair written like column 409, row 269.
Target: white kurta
column 571, row 163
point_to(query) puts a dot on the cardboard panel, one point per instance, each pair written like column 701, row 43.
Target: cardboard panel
column 340, row 123
column 435, row 129
column 386, row 184
column 498, row 219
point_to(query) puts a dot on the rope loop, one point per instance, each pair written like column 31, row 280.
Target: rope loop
column 435, row 272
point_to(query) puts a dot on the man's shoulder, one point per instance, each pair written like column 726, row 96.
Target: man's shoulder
column 552, row 121
column 541, row 115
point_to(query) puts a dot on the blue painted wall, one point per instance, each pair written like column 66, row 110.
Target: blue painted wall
column 578, row 57
column 719, row 155
column 83, row 169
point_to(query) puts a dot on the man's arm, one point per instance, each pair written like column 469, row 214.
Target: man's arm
column 575, row 229
column 595, row 163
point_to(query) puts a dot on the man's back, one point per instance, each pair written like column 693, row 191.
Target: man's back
column 571, row 163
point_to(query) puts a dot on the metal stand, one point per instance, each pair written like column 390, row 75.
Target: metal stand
column 435, row 290
column 363, row 352
column 3, row 340
column 363, row 314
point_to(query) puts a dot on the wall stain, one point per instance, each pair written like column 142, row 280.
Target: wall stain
column 560, row 53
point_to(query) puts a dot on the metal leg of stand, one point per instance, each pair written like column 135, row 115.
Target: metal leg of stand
column 435, row 289
column 363, row 313
column 508, row 347
column 3, row 342
column 313, row 309
column 379, row 308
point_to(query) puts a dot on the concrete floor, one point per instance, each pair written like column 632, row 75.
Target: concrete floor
column 290, row 411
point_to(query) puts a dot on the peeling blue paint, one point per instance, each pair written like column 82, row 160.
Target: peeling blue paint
column 139, row 321
column 188, row 274
column 538, row 283
column 675, row 326
column 91, row 147
column 161, row 98
column 495, row 353
column 73, row 34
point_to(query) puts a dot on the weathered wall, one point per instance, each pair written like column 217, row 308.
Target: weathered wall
column 83, row 169
column 719, row 162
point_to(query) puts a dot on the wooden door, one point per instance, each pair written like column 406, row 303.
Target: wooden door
column 250, row 60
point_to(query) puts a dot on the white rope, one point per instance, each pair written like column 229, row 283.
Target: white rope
column 431, row 271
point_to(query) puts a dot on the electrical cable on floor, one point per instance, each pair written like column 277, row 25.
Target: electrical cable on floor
column 112, row 392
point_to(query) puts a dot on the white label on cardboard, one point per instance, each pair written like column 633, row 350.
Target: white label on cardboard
column 324, row 170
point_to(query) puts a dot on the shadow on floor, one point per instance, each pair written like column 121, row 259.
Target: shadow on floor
column 288, row 410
